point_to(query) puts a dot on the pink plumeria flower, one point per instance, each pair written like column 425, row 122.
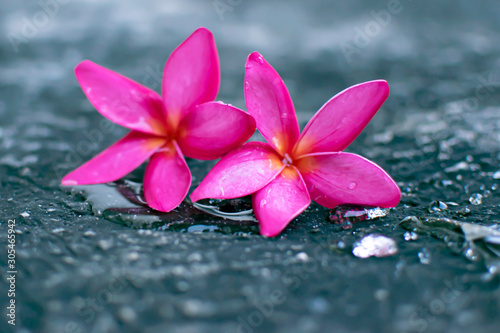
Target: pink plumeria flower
column 289, row 170
column 185, row 121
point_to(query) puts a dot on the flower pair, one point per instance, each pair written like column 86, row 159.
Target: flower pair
column 184, row 121
column 283, row 175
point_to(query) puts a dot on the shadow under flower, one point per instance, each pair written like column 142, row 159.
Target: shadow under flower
column 123, row 202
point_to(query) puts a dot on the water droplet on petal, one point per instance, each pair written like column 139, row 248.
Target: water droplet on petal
column 352, row 186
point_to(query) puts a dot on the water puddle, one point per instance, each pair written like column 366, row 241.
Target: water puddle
column 478, row 243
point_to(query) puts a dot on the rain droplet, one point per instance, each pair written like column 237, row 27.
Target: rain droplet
column 410, row 236
column 196, row 256
column 302, row 256
column 58, row 230
column 349, row 213
column 352, row 186
column 182, row 286
column 376, row 212
column 127, row 314
column 471, row 255
column 446, row 182
column 374, row 245
column 476, row 199
column 105, row 244
column 437, row 206
column 133, row 256
column 424, row 256
column 318, row 305
column 461, row 166
column 465, row 211
column 381, row 294
column 199, row 228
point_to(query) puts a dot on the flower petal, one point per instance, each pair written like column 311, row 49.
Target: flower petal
column 344, row 178
column 116, row 161
column 121, row 100
column 167, row 179
column 191, row 75
column 243, row 171
column 280, row 201
column 342, row 118
column 213, row 129
column 269, row 102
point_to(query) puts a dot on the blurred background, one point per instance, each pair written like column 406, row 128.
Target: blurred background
column 438, row 135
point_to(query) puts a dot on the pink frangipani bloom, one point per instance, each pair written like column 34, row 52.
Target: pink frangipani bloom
column 185, row 121
column 289, row 170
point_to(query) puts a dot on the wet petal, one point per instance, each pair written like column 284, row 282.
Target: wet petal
column 121, row 100
column 344, row 178
column 280, row 201
column 116, row 161
column 243, row 171
column 191, row 75
column 269, row 102
column 213, row 129
column 342, row 118
column 167, row 179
